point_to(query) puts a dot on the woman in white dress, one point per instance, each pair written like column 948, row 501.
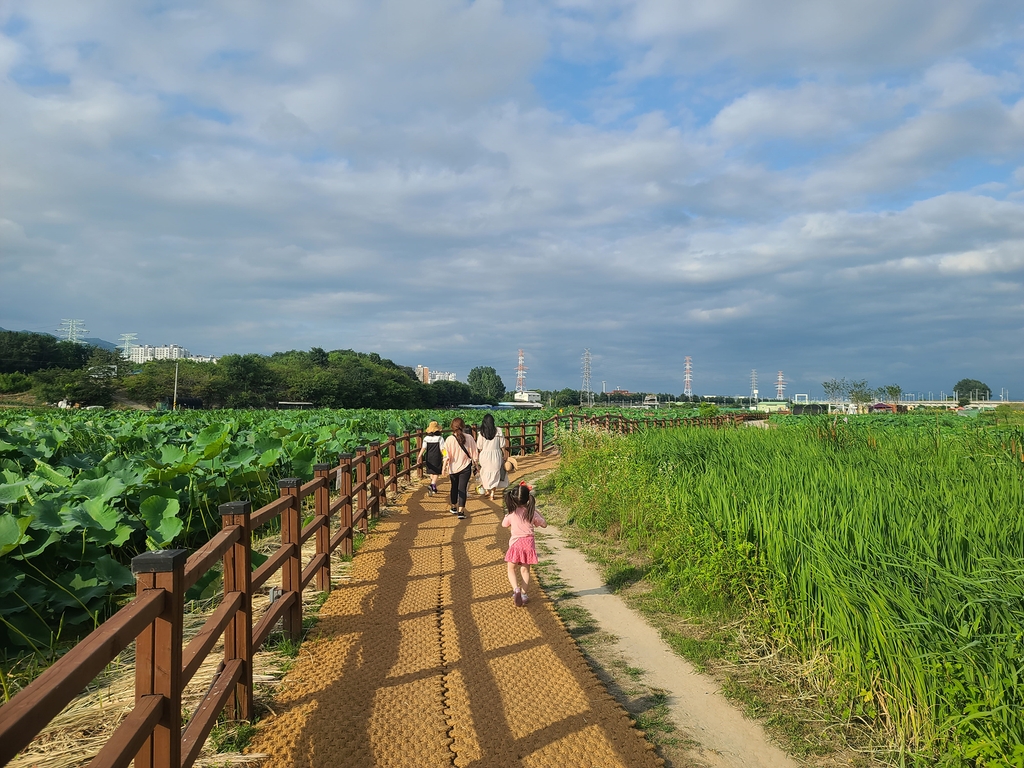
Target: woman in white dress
column 493, row 449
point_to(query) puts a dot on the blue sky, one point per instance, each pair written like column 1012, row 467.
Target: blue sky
column 823, row 189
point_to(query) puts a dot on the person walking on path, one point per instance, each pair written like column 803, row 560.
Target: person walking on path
column 433, row 448
column 493, row 449
column 522, row 517
column 460, row 456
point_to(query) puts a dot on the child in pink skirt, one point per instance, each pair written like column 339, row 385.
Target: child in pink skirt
column 522, row 517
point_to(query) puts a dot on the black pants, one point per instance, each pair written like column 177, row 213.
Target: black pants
column 460, row 485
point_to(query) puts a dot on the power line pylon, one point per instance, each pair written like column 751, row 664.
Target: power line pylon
column 688, row 376
column 72, row 330
column 586, row 396
column 521, row 373
column 127, row 342
column 753, row 385
column 780, row 387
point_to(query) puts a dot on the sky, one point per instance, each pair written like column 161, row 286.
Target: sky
column 823, row 189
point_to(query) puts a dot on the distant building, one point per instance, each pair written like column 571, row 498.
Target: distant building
column 441, row 376
column 527, row 397
column 144, row 353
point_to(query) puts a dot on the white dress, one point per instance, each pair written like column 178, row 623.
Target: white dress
column 492, row 460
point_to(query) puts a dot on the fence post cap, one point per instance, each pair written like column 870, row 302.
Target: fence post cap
column 360, row 449
column 289, row 482
column 343, row 456
column 235, row 508
column 159, row 561
column 375, row 443
column 392, row 437
column 321, row 467
column 407, row 432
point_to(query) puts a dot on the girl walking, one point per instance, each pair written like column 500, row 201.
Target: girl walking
column 522, row 517
column 460, row 455
column 433, row 449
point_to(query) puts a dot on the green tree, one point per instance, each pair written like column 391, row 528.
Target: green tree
column 860, row 393
column 891, row 393
column 447, row 394
column 836, row 389
column 251, row 383
column 972, row 389
column 486, row 384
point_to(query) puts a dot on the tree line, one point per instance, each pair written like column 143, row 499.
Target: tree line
column 54, row 370
column 858, row 392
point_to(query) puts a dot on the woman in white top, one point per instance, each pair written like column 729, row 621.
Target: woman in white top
column 460, row 456
column 493, row 449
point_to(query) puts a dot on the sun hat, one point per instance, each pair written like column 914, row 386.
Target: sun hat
column 511, row 465
column 433, row 427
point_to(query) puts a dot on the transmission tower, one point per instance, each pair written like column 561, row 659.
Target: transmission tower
column 127, row 342
column 688, row 376
column 753, row 385
column 521, row 373
column 780, row 387
column 586, row 396
column 72, row 330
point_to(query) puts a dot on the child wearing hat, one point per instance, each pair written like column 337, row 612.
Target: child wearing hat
column 433, row 448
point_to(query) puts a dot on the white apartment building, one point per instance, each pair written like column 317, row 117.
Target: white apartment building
column 143, row 353
column 441, row 376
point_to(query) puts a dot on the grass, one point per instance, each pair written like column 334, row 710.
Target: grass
column 885, row 565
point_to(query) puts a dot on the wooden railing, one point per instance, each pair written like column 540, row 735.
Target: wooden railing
column 152, row 733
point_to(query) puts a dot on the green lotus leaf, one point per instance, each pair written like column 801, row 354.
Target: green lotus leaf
column 106, row 516
column 105, row 488
column 12, row 531
column 112, row 572
column 12, row 493
column 51, row 475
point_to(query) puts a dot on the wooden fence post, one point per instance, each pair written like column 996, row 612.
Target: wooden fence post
column 238, row 578
column 345, row 492
column 322, row 505
column 361, row 494
column 377, row 482
column 540, row 436
column 158, row 654
column 406, row 456
column 419, row 444
column 393, row 466
column 291, row 569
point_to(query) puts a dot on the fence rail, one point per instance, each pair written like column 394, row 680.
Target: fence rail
column 152, row 733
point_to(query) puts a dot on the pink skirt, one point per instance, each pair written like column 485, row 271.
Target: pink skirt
column 522, row 551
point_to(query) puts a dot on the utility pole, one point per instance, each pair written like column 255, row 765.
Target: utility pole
column 521, row 373
column 127, row 342
column 586, row 396
column 72, row 330
column 174, row 405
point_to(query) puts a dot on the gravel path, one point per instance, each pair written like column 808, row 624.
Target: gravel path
column 422, row 659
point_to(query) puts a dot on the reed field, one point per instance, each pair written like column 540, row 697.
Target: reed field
column 891, row 554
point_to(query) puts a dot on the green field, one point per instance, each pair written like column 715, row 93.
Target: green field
column 889, row 551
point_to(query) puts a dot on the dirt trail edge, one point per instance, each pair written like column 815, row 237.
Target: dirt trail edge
column 422, row 659
column 696, row 701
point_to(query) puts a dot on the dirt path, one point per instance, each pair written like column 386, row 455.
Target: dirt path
column 422, row 659
column 725, row 737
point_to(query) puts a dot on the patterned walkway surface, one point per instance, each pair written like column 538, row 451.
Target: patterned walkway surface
column 422, row 659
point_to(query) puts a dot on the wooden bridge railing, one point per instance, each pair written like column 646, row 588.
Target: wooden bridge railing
column 152, row 734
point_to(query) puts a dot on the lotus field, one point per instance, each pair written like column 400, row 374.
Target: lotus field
column 82, row 492
column 889, row 559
